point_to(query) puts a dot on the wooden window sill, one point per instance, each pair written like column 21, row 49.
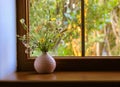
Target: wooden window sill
column 57, row 79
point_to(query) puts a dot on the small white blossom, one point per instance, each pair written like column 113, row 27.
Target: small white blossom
column 22, row 21
column 67, row 2
column 73, row 5
column 58, row 23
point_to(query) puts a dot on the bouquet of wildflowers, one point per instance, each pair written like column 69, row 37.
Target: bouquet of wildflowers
column 44, row 37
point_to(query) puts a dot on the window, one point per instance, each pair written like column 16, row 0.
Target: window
column 68, row 63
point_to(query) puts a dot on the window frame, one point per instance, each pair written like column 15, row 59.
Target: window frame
column 83, row 63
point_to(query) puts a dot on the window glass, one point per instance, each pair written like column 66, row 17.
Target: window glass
column 102, row 27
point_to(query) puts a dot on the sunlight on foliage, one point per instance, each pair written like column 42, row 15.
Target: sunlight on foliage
column 102, row 25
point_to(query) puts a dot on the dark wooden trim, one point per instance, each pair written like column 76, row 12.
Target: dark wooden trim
column 66, row 63
column 88, row 64
column 60, row 84
column 82, row 28
column 21, row 13
column 79, row 64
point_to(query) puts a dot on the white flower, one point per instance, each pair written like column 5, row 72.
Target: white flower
column 67, row 2
column 73, row 5
column 58, row 23
column 22, row 21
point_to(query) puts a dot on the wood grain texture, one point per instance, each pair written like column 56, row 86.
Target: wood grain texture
column 62, row 79
column 64, row 76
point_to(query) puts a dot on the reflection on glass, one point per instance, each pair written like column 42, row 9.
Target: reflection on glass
column 102, row 32
column 66, row 10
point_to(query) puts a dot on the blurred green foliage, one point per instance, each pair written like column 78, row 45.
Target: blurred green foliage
column 97, row 16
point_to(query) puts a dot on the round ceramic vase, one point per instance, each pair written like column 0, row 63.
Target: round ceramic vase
column 45, row 63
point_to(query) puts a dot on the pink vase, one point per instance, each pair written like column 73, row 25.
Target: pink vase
column 45, row 63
